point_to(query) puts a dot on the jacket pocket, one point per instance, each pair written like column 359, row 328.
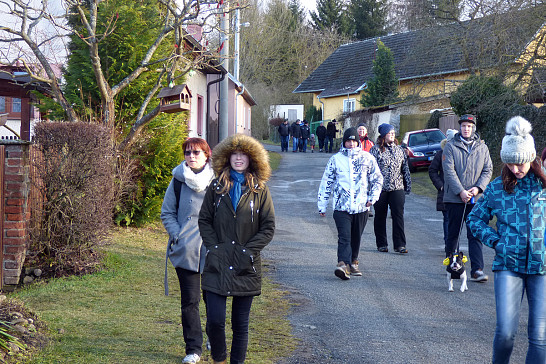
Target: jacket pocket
column 244, row 261
column 213, row 259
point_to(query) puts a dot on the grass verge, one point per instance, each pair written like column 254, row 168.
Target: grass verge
column 120, row 315
column 274, row 160
column 422, row 185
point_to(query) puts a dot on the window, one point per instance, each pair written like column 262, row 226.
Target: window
column 349, row 105
column 15, row 105
column 2, row 104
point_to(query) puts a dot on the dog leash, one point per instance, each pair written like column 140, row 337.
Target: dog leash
column 461, row 227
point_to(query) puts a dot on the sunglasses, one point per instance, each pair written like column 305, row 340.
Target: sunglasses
column 187, row 153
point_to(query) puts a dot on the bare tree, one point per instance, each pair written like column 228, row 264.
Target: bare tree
column 28, row 28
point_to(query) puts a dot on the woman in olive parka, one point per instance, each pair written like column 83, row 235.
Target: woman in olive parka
column 236, row 221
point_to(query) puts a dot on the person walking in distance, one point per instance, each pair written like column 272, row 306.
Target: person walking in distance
column 330, row 135
column 284, row 133
column 467, row 171
column 518, row 201
column 321, row 135
column 365, row 142
column 393, row 163
column 185, row 250
column 237, row 220
column 353, row 180
column 295, row 130
column 305, row 134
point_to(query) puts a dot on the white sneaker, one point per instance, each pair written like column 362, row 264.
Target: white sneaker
column 191, row 359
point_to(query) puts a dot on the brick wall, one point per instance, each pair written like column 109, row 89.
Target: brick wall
column 15, row 209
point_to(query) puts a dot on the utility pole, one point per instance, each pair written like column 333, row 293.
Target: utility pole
column 223, row 116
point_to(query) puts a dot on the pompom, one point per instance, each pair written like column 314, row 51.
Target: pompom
column 518, row 126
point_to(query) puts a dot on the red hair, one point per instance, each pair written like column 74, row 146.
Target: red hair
column 198, row 143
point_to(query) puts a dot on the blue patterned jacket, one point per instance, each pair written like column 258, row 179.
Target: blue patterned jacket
column 352, row 178
column 521, row 225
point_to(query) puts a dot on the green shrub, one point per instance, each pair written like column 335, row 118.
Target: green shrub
column 147, row 172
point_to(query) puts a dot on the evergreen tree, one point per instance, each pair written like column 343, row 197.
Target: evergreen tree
column 297, row 11
column 383, row 87
column 331, row 15
column 368, row 17
column 120, row 53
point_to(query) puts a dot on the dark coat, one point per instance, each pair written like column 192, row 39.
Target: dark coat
column 284, row 129
column 234, row 238
column 331, row 130
column 321, row 132
column 295, row 130
column 305, row 131
column 436, row 174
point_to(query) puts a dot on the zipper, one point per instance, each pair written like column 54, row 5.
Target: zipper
column 252, row 210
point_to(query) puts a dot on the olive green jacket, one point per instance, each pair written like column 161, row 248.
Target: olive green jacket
column 234, row 240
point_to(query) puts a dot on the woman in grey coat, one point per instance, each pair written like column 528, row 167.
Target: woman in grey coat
column 179, row 214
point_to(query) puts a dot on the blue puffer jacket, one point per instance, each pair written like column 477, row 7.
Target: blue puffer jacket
column 521, row 225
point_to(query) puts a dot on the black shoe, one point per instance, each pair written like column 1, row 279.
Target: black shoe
column 401, row 250
column 383, row 249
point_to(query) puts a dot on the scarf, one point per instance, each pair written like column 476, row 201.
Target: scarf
column 198, row 181
column 469, row 143
column 235, row 191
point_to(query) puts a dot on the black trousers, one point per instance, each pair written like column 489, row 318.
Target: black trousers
column 395, row 200
column 455, row 216
column 321, row 143
column 190, row 292
column 349, row 234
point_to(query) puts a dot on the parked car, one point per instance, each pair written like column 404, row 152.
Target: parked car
column 421, row 146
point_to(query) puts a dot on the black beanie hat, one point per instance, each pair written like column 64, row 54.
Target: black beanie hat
column 350, row 134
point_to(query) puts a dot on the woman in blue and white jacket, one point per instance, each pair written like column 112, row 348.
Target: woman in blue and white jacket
column 518, row 200
column 353, row 179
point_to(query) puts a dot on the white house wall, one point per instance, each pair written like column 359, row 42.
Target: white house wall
column 282, row 112
column 197, row 84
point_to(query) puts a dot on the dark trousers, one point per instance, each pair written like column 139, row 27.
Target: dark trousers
column 303, row 145
column 190, row 292
column 216, row 326
column 455, row 216
column 395, row 200
column 328, row 144
column 349, row 234
column 284, row 143
column 320, row 143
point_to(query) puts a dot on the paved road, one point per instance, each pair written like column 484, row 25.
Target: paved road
column 400, row 310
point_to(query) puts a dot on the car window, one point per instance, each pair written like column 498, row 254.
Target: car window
column 426, row 137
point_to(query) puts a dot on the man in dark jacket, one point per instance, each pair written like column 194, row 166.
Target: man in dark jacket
column 467, row 171
column 330, row 135
column 305, row 134
column 295, row 130
column 284, row 132
column 321, row 135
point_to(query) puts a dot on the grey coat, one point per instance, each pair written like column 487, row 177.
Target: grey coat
column 463, row 169
column 186, row 250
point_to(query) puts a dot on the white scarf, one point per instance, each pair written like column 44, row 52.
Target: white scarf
column 198, row 181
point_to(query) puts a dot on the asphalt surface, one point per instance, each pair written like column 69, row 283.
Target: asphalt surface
column 400, row 310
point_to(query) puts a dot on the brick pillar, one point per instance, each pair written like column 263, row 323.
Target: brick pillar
column 15, row 210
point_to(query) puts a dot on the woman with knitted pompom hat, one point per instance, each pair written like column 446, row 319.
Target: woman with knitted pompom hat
column 518, row 200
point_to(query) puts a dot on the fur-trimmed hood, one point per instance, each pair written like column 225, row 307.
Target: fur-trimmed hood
column 258, row 156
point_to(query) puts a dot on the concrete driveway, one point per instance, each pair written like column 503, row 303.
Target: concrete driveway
column 400, row 310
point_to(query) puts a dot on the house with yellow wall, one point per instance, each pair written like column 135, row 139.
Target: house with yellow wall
column 431, row 63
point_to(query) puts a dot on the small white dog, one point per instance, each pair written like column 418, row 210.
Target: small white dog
column 456, row 270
